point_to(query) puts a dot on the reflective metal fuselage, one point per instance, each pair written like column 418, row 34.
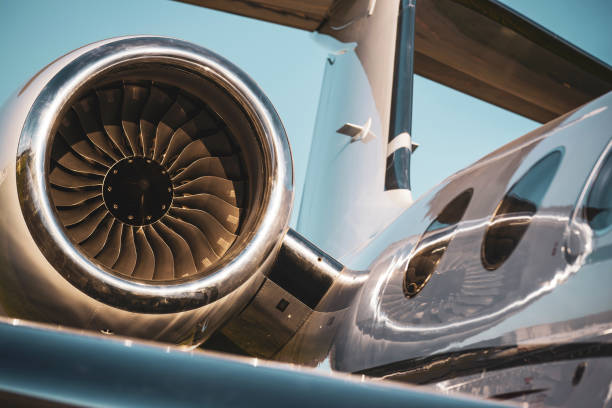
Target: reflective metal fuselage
column 496, row 282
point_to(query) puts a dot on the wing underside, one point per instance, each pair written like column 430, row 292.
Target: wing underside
column 478, row 47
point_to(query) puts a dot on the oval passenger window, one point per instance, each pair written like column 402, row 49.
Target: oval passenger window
column 433, row 244
column 598, row 209
column 515, row 211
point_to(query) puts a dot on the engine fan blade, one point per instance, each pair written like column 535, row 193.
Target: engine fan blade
column 134, row 99
column 225, row 213
column 228, row 190
column 220, row 238
column 95, row 242
column 87, row 109
column 183, row 260
column 112, row 247
column 72, row 162
column 127, row 255
column 199, row 127
column 72, row 133
column 203, row 253
column 81, row 231
column 179, row 113
column 145, row 263
column 110, row 111
column 164, row 260
column 216, row 145
column 63, row 178
column 72, row 215
column 158, row 103
column 225, row 167
column 72, row 197
column 62, row 154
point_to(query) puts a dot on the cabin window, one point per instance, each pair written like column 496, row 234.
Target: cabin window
column 433, row 244
column 598, row 210
column 515, row 211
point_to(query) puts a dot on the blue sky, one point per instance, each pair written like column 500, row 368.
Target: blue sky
column 453, row 129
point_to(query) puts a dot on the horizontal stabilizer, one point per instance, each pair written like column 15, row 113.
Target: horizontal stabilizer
column 478, row 47
column 487, row 50
column 304, row 14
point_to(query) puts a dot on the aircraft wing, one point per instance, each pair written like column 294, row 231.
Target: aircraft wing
column 50, row 367
column 478, row 47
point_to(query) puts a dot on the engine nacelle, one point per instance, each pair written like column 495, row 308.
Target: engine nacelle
column 146, row 187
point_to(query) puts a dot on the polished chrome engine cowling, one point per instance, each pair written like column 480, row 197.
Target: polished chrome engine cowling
column 153, row 176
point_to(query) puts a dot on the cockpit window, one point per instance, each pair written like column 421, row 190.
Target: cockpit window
column 515, row 211
column 433, row 244
column 598, row 210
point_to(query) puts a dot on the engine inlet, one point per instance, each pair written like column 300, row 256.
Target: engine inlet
column 147, row 180
column 154, row 175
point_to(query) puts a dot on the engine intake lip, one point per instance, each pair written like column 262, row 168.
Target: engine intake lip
column 269, row 219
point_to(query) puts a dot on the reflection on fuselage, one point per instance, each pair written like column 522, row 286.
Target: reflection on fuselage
column 513, row 214
column 461, row 293
column 433, row 244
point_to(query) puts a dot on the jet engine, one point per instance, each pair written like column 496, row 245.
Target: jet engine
column 145, row 187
